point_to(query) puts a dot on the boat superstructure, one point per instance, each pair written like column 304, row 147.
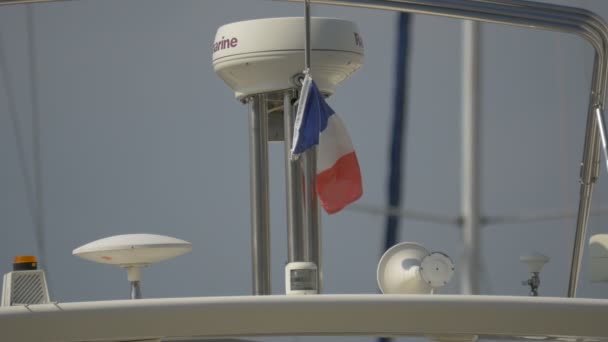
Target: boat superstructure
column 435, row 316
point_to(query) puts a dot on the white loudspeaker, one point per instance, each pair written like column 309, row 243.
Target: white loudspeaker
column 409, row 268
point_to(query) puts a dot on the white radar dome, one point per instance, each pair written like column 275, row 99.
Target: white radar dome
column 262, row 56
column 133, row 249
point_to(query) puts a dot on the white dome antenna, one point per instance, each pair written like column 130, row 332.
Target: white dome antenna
column 264, row 55
column 133, row 251
column 409, row 268
column 535, row 263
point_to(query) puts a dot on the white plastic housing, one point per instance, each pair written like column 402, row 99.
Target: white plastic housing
column 409, row 268
column 261, row 56
column 301, row 278
column 133, row 249
column 24, row 288
column 598, row 258
column 534, row 261
column 437, row 269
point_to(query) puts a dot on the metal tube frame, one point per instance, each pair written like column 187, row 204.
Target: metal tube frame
column 136, row 289
column 296, row 240
column 312, row 217
column 259, row 194
column 307, row 46
column 470, row 126
column 524, row 14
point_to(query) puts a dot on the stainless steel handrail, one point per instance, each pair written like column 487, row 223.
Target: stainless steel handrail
column 528, row 14
column 473, row 10
column 572, row 13
column 588, row 174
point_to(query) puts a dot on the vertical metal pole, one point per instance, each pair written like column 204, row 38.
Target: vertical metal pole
column 260, row 211
column 602, row 131
column 296, row 241
column 134, row 276
column 39, row 224
column 470, row 201
column 312, row 215
column 135, row 289
column 312, row 220
column 307, row 46
column 397, row 142
column 588, row 176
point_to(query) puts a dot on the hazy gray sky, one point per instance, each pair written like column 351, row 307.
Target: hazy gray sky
column 139, row 135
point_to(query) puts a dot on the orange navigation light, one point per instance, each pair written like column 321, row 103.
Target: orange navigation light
column 25, row 263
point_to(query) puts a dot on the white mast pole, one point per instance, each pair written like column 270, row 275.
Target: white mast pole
column 470, row 191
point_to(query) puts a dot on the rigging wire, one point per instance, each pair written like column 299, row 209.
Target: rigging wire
column 33, row 189
column 510, row 218
column 540, row 217
column 39, row 225
column 563, row 116
column 12, row 110
column 408, row 214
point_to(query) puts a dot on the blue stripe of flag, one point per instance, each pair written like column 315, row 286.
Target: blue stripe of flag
column 314, row 120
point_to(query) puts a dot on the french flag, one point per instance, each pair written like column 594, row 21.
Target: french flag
column 338, row 175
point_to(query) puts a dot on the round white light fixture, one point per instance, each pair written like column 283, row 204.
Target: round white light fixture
column 409, row 268
column 133, row 251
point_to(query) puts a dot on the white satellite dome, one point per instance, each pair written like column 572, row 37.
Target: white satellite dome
column 132, row 252
column 133, row 249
